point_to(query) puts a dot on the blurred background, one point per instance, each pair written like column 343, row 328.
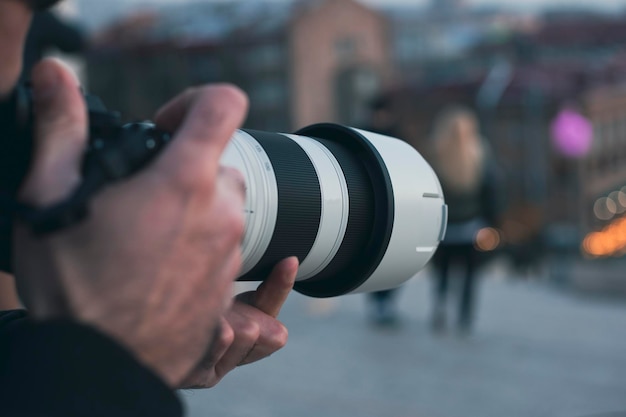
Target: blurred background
column 544, row 83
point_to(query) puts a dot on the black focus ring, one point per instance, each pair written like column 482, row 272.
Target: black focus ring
column 338, row 274
column 299, row 203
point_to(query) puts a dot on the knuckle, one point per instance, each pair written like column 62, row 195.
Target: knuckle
column 249, row 331
column 194, row 180
column 227, row 336
column 280, row 337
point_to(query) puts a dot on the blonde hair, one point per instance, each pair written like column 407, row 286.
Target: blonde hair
column 458, row 152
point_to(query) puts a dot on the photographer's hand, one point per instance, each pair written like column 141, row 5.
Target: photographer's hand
column 250, row 331
column 153, row 264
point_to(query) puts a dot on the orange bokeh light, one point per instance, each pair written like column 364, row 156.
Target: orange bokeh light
column 610, row 241
column 487, row 239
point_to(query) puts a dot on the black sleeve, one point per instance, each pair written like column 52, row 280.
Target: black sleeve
column 64, row 369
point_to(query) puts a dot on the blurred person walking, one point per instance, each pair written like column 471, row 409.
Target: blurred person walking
column 466, row 170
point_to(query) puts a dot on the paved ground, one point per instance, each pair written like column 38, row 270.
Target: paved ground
column 537, row 352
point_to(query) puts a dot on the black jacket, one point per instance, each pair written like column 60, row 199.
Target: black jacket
column 64, row 369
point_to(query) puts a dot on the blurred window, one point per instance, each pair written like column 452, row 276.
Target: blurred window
column 205, row 68
column 618, row 138
column 409, row 46
column 265, row 57
column 270, row 92
column 622, row 139
column 346, row 48
column 598, row 134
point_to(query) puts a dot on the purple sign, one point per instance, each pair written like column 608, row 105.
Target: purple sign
column 572, row 134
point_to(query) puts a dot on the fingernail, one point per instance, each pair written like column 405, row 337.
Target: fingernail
column 295, row 259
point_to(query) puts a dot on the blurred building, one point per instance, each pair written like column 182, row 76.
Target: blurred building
column 518, row 86
column 300, row 63
column 428, row 38
column 307, row 61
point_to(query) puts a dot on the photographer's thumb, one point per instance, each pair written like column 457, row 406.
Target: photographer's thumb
column 60, row 134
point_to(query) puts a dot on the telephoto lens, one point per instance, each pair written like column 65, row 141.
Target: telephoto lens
column 361, row 211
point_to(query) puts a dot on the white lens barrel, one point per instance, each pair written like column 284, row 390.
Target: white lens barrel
column 361, row 211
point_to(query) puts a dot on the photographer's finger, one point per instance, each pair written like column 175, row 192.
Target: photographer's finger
column 263, row 351
column 15, row 19
column 172, row 114
column 204, row 120
column 273, row 292
column 204, row 375
column 272, row 336
column 247, row 334
column 60, row 133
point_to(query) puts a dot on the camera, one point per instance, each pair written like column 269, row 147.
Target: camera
column 361, row 211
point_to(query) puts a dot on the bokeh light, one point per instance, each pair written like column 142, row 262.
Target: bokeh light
column 605, row 208
column 622, row 197
column 619, row 198
column 487, row 239
column 610, row 241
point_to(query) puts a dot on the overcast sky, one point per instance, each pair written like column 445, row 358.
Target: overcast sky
column 518, row 3
column 93, row 13
column 616, row 4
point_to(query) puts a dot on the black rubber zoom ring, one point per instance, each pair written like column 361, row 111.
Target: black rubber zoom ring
column 299, row 203
column 338, row 274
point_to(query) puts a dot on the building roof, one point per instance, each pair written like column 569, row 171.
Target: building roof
column 199, row 23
